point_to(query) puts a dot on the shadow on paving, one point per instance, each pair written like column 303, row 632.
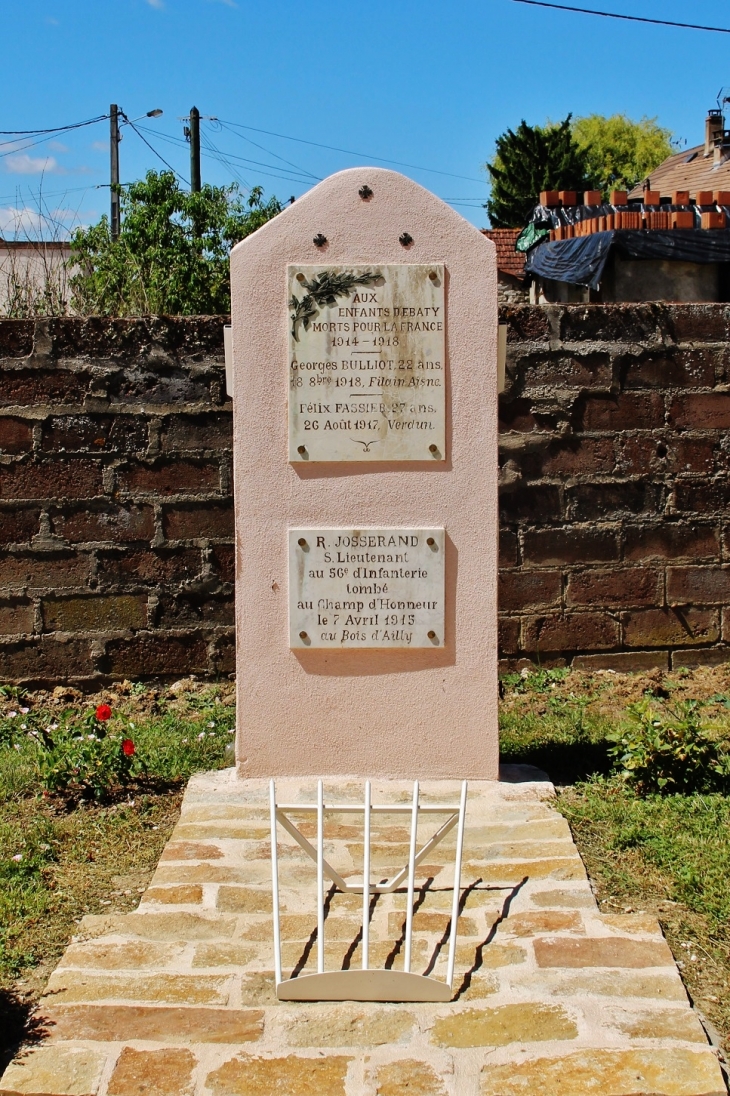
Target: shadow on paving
column 18, row 1026
column 563, row 762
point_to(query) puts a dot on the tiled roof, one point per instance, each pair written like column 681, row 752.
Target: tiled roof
column 509, row 261
column 687, row 170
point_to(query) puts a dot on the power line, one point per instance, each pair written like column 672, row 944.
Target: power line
column 56, row 129
column 218, row 155
column 349, row 152
column 288, row 178
column 276, row 156
column 616, row 15
column 154, row 150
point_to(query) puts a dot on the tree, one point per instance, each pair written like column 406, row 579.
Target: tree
column 620, row 152
column 531, row 159
column 171, row 256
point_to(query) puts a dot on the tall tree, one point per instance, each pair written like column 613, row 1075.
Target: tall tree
column 621, row 152
column 528, row 160
column 172, row 252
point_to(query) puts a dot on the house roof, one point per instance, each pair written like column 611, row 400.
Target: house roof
column 509, row 261
column 687, row 170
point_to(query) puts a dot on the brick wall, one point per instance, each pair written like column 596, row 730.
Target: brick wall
column 116, row 515
column 615, row 461
column 116, row 518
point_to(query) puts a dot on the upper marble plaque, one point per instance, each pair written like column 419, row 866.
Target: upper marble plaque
column 367, row 363
column 366, row 588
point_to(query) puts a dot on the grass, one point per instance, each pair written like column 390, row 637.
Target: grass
column 61, row 859
column 668, row 855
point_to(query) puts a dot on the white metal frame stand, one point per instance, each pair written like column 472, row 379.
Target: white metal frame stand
column 365, row 984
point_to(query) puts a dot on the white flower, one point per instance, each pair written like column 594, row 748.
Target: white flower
column 231, row 730
column 132, row 725
column 12, row 715
column 17, row 747
column 184, row 741
column 211, row 724
column 24, row 726
column 201, row 735
column 18, row 857
column 91, row 737
column 25, row 710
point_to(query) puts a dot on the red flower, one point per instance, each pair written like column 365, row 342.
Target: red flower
column 103, row 712
column 128, row 747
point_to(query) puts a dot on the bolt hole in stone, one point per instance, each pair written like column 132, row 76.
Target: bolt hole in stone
column 365, row 193
column 405, row 239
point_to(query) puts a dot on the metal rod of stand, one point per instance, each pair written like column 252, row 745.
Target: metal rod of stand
column 320, row 879
column 411, row 878
column 457, row 886
column 366, row 881
column 275, row 883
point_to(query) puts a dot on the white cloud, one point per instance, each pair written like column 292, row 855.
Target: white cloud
column 57, row 146
column 159, row 4
column 33, row 165
column 52, row 22
column 24, row 222
column 16, row 221
column 100, row 146
column 228, row 3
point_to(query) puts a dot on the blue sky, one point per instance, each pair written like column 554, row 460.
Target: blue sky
column 427, row 83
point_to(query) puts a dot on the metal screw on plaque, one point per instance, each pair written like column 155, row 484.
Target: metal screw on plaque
column 432, row 544
column 302, row 543
column 365, row 192
column 406, row 239
column 433, row 637
column 433, row 450
column 302, row 450
column 433, row 276
column 301, row 278
column 319, row 240
column 304, row 637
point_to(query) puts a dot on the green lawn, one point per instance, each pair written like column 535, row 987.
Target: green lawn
column 664, row 854
column 64, row 856
column 61, row 858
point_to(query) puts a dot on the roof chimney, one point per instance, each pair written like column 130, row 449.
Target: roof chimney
column 714, row 125
column 721, row 152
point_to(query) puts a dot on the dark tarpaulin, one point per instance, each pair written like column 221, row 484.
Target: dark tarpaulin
column 582, row 260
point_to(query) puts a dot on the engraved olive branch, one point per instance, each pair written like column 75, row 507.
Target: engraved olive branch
column 324, row 289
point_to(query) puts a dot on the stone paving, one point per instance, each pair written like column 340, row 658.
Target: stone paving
column 551, row 996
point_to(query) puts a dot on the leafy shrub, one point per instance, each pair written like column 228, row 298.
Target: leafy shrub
column 80, row 758
column 669, row 751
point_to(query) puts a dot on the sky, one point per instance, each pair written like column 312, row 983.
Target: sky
column 420, row 83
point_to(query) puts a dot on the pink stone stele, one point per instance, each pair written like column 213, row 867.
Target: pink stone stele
column 380, row 713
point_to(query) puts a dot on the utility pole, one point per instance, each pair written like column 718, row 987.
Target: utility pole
column 194, row 150
column 114, row 169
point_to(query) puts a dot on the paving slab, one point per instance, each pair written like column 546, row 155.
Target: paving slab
column 550, row 995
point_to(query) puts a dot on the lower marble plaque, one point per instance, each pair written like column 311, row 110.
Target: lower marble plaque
column 366, row 588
